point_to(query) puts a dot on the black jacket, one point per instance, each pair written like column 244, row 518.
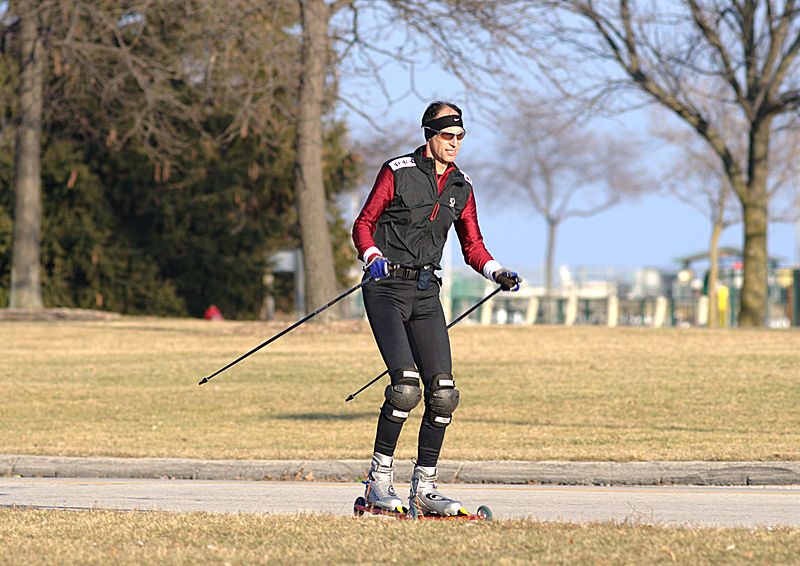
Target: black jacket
column 413, row 229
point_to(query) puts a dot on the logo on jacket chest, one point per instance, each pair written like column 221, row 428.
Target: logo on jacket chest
column 401, row 163
column 452, row 202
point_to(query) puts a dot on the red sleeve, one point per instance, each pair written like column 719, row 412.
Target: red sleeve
column 469, row 234
column 379, row 198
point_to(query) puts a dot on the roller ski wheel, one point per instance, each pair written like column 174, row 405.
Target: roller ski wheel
column 482, row 514
column 361, row 506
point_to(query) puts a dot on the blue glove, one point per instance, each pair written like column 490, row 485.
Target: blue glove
column 509, row 280
column 378, row 267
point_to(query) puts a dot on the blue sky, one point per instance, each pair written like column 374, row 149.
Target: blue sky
column 649, row 232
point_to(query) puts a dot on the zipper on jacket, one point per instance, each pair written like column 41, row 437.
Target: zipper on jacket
column 435, row 212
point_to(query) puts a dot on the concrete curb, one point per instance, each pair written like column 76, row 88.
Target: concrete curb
column 491, row 471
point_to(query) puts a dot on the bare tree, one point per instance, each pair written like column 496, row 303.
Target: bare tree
column 327, row 45
column 315, row 59
column 679, row 54
column 563, row 170
column 26, row 284
column 698, row 179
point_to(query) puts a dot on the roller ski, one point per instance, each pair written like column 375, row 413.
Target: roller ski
column 425, row 501
column 360, row 507
column 380, row 497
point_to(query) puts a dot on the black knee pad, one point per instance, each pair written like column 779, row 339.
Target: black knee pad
column 441, row 400
column 402, row 395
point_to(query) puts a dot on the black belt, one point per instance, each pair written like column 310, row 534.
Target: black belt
column 405, row 273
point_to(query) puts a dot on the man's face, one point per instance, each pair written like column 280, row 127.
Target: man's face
column 445, row 151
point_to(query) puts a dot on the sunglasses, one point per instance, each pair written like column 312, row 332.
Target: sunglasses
column 447, row 136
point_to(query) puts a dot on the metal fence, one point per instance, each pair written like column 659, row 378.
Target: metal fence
column 528, row 308
column 590, row 301
column 611, row 304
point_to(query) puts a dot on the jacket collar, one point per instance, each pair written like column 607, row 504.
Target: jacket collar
column 427, row 164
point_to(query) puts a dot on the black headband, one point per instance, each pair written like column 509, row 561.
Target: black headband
column 440, row 123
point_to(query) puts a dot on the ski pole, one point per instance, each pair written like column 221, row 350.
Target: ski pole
column 453, row 323
column 286, row 330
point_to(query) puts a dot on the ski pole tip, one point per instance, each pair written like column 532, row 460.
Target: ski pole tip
column 202, row 381
column 349, row 398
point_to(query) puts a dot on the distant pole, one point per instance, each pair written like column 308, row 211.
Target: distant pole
column 797, row 243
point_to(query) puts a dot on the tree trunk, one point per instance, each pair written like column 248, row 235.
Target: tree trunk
column 753, row 308
column 548, row 270
column 26, row 284
column 309, row 187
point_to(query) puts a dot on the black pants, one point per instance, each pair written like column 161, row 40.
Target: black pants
column 410, row 330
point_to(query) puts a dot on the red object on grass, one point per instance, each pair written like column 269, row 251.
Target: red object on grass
column 213, row 313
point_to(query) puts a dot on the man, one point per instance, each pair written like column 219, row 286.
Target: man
column 400, row 234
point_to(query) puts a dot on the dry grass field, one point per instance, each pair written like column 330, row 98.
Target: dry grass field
column 129, row 387
column 103, row 537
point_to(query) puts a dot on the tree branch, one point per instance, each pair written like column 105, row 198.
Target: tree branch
column 713, row 39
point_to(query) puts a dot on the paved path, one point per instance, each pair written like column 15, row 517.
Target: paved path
column 661, row 506
column 450, row 471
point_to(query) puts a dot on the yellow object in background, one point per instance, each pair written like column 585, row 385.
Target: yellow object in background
column 722, row 304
